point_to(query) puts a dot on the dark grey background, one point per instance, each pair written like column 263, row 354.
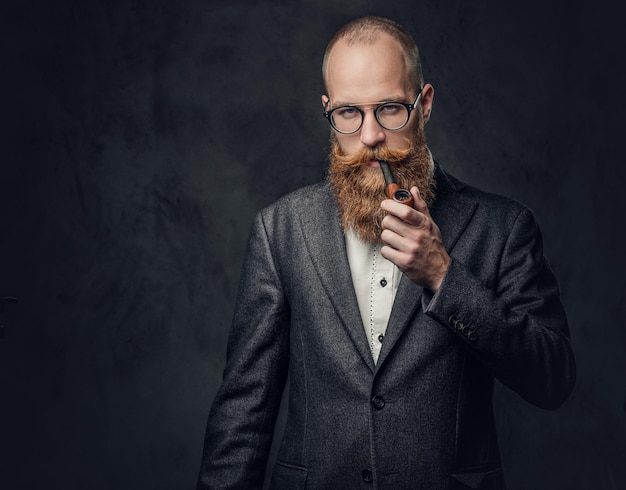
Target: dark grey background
column 138, row 140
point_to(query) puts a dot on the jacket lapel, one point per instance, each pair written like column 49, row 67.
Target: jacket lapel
column 451, row 212
column 325, row 244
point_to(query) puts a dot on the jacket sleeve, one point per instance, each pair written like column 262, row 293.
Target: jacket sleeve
column 242, row 418
column 517, row 329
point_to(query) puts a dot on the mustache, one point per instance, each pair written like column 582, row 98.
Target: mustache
column 364, row 155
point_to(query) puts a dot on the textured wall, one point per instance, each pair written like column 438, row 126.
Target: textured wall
column 139, row 138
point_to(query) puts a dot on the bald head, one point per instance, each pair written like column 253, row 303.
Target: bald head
column 368, row 30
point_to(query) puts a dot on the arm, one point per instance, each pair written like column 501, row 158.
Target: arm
column 517, row 328
column 241, row 421
column 519, row 331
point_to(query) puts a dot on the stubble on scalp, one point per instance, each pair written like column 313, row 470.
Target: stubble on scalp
column 359, row 189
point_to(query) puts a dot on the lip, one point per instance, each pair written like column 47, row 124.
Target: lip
column 373, row 163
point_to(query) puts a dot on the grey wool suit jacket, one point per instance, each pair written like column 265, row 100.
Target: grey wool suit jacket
column 421, row 418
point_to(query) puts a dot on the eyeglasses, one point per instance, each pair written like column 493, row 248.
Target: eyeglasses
column 348, row 119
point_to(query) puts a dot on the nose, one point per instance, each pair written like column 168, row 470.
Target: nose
column 372, row 133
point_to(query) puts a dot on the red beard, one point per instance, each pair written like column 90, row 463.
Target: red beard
column 360, row 189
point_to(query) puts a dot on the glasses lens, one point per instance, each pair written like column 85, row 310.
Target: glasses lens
column 392, row 115
column 346, row 119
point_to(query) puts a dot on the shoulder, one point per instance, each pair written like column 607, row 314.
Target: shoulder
column 307, row 194
column 306, row 200
column 308, row 208
column 451, row 191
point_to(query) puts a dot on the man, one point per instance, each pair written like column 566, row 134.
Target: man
column 392, row 320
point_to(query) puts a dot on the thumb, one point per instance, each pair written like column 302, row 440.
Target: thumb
column 418, row 202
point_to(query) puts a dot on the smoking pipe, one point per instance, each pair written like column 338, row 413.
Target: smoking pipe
column 392, row 189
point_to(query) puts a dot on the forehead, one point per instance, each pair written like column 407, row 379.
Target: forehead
column 367, row 71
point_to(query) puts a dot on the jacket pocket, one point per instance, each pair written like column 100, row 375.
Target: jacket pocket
column 288, row 475
column 490, row 478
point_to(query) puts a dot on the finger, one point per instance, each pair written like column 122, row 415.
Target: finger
column 404, row 213
column 392, row 255
column 419, row 203
column 400, row 242
column 393, row 228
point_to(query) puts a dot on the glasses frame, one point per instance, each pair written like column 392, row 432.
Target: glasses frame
column 409, row 108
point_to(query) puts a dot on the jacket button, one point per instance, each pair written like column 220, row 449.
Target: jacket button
column 366, row 475
column 378, row 402
column 380, row 338
column 472, row 336
column 456, row 323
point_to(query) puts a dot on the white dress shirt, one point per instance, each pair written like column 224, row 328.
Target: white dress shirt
column 375, row 281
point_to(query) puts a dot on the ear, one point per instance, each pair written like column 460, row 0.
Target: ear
column 325, row 101
column 428, row 94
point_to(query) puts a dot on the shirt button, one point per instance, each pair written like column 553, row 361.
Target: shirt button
column 380, row 338
column 383, row 282
column 366, row 475
column 378, row 402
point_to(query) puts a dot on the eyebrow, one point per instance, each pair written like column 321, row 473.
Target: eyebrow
column 392, row 98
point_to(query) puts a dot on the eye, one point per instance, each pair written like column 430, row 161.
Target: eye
column 346, row 112
column 389, row 109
